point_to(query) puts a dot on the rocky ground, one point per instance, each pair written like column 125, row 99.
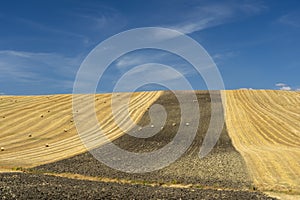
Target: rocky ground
column 38, row 186
column 223, row 167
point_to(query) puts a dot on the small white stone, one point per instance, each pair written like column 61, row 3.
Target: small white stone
column 161, row 128
column 140, row 128
column 187, row 124
column 2, row 148
column 174, row 124
column 152, row 126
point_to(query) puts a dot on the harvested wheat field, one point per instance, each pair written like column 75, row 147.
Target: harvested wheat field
column 265, row 128
column 64, row 170
column 35, row 130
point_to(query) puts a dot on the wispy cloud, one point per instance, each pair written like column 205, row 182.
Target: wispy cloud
column 27, row 62
column 46, row 28
column 99, row 18
column 130, row 61
column 206, row 16
column 138, row 58
column 153, row 73
column 39, row 70
column 224, row 55
column 280, row 84
column 89, row 23
column 290, row 19
column 154, row 60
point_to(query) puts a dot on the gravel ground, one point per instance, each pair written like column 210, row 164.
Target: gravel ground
column 223, row 167
column 38, row 186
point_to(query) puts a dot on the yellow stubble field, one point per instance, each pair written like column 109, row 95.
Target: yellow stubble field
column 265, row 128
column 35, row 130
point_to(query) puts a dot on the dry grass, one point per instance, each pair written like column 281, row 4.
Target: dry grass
column 265, row 128
column 29, row 123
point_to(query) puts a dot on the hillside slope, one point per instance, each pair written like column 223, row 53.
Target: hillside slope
column 223, row 167
column 265, row 128
column 35, row 130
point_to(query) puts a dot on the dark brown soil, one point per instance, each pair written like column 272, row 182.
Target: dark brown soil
column 34, row 186
column 223, row 167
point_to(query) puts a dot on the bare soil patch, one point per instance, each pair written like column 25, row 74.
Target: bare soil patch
column 223, row 167
column 38, row 186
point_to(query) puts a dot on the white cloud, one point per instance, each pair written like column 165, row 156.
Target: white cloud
column 139, row 58
column 280, row 84
column 286, row 88
column 158, row 34
column 149, row 73
column 222, row 56
column 283, row 86
column 252, row 8
column 129, row 61
column 191, row 27
column 40, row 70
column 298, row 89
column 203, row 17
column 152, row 73
column 28, row 64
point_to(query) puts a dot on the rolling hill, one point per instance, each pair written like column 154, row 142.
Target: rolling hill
column 259, row 147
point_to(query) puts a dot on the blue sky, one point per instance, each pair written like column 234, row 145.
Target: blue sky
column 255, row 44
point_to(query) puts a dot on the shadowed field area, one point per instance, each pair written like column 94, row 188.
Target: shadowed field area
column 223, row 167
column 33, row 186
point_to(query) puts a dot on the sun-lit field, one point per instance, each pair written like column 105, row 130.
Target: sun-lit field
column 35, row 130
column 258, row 149
column 265, row 128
